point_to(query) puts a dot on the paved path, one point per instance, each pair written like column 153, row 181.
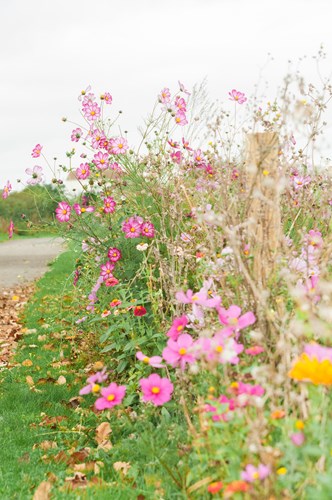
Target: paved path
column 22, row 261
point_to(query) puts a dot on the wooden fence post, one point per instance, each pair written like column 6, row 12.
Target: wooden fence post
column 263, row 208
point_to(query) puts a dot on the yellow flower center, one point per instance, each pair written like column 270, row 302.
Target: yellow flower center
column 182, row 351
column 120, row 146
column 111, row 397
column 194, row 298
column 132, row 229
column 64, row 212
column 155, row 390
column 102, row 161
column 96, row 388
column 146, row 360
column 255, row 475
column 219, row 348
column 83, row 210
column 83, row 171
column 233, row 321
column 299, row 425
column 179, row 328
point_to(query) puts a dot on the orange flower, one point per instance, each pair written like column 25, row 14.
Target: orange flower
column 278, row 414
column 215, row 487
column 236, row 486
column 310, row 369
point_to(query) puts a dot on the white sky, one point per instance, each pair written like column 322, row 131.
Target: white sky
column 51, row 49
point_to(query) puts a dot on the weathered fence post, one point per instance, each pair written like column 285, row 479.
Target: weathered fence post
column 263, row 208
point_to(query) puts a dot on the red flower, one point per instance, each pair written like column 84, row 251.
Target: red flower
column 215, row 487
column 236, row 487
column 139, row 311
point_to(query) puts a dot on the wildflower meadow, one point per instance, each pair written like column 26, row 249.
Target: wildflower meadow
column 181, row 346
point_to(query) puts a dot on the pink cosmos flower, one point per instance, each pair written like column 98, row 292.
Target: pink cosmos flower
column 224, row 350
column 111, row 396
column 83, row 171
column 252, row 473
column 300, row 181
column 36, row 152
column 94, row 382
column 225, row 415
column 155, row 361
column 81, row 210
column 182, row 88
column 119, row 146
column 156, row 389
column 180, row 118
column 36, row 175
column 298, row 438
column 107, row 98
column 314, row 238
column 101, row 160
column 176, row 157
column 11, row 229
column 198, row 156
column 173, row 144
column 255, row 350
column 319, row 352
column 237, row 96
column 76, row 134
column 132, row 227
column 62, row 212
column 114, row 254
column 177, row 352
column 201, row 298
column 83, row 93
column 164, row 96
column 185, row 145
column 180, row 103
column 91, row 111
column 147, row 229
column 6, row 190
column 96, row 137
column 109, row 205
column 232, row 318
column 106, row 270
column 239, row 388
column 177, row 327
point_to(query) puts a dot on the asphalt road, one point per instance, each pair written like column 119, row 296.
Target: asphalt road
column 22, row 261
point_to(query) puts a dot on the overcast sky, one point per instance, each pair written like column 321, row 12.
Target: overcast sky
column 51, row 49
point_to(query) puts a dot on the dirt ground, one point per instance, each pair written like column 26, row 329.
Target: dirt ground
column 22, row 261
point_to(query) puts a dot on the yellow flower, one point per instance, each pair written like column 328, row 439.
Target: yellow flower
column 312, row 370
column 299, row 425
column 282, row 471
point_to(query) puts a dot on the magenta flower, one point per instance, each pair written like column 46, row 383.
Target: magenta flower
column 237, row 96
column 94, row 382
column 252, row 473
column 36, row 152
column 62, row 212
column 180, row 118
column 177, row 327
column 165, row 96
column 177, row 157
column 111, row 281
column 114, row 254
column 83, row 171
column 81, row 210
column 6, row 190
column 173, row 144
column 198, row 156
column 147, row 229
column 220, row 348
column 76, row 134
column 156, row 389
column 255, row 350
column 185, row 145
column 177, row 352
column 109, row 205
column 11, row 229
column 119, row 145
column 101, row 160
column 132, row 227
column 155, row 361
column 298, row 438
column 91, row 111
column 239, row 388
column 111, row 396
column 232, row 318
column 106, row 270
column 199, row 298
column 314, row 238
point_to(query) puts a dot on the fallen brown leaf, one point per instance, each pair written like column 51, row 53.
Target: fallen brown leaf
column 102, row 436
column 43, row 491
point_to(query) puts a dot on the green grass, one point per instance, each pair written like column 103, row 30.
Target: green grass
column 149, row 441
